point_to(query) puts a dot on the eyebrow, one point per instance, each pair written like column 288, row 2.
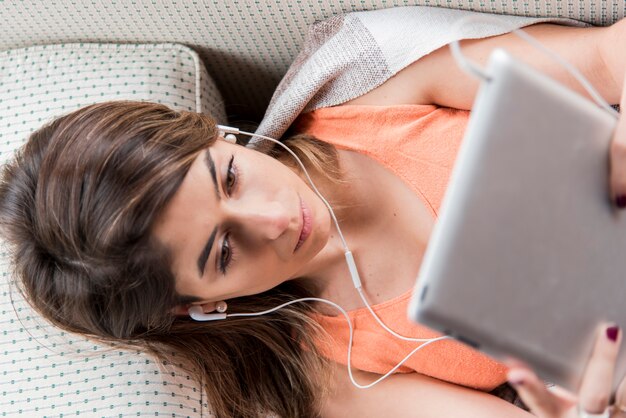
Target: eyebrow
column 211, row 166
column 206, row 251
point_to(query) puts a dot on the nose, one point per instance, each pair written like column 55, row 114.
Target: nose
column 263, row 220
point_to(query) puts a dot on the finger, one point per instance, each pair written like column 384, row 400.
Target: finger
column 618, row 161
column 534, row 392
column 567, row 397
column 619, row 409
column 595, row 390
column 620, row 394
column 618, row 165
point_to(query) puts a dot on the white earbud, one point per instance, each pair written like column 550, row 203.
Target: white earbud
column 231, row 138
column 196, row 313
column 227, row 132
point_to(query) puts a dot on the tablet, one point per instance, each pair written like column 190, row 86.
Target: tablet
column 528, row 255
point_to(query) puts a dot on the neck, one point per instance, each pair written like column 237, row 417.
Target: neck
column 354, row 206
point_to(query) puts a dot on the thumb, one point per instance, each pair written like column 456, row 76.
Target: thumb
column 534, row 393
column 618, row 165
column 617, row 162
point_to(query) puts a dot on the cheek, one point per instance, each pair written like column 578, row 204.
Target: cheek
column 323, row 220
column 264, row 272
column 269, row 172
column 255, row 266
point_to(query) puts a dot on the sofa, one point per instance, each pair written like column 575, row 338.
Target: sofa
column 221, row 57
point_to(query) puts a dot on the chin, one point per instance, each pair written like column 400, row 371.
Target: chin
column 323, row 230
column 326, row 220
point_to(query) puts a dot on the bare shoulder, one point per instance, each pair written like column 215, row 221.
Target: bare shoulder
column 436, row 78
column 411, row 395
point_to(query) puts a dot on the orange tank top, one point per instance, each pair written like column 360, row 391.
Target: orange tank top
column 419, row 144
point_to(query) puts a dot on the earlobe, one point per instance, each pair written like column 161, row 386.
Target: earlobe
column 180, row 310
column 208, row 307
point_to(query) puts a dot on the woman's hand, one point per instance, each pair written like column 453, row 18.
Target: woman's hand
column 595, row 391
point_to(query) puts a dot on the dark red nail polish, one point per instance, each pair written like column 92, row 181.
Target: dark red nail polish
column 612, row 333
column 620, row 201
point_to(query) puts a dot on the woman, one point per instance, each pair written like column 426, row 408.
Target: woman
column 123, row 215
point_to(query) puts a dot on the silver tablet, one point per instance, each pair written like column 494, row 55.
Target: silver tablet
column 528, row 255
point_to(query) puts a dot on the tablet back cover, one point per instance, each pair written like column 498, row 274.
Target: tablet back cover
column 528, row 255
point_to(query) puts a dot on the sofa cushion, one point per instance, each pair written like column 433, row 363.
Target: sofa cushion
column 44, row 371
column 247, row 45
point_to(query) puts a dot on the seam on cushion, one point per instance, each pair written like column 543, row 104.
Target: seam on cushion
column 105, row 45
column 81, row 45
column 197, row 77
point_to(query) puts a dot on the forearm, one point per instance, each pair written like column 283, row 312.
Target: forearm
column 412, row 395
column 614, row 60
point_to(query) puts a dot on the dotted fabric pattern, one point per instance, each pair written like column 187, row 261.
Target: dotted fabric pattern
column 247, row 45
column 45, row 372
column 42, row 82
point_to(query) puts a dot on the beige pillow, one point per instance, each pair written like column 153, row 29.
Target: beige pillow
column 44, row 371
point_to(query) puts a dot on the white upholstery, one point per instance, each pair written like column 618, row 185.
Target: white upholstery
column 43, row 371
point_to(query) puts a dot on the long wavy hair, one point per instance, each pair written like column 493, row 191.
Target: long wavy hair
column 77, row 204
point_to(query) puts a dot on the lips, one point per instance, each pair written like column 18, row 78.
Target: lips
column 307, row 225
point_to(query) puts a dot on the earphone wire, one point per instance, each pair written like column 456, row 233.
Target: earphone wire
column 347, row 317
column 473, row 70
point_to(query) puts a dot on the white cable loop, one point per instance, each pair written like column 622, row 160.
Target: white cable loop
column 345, row 314
column 478, row 72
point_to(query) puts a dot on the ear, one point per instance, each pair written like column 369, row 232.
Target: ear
column 180, row 310
column 183, row 310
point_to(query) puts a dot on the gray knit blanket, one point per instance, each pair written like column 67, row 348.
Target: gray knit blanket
column 348, row 55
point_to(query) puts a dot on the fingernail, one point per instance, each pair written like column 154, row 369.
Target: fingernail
column 612, row 333
column 620, row 201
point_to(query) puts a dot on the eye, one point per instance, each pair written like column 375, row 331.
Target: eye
column 231, row 176
column 226, row 254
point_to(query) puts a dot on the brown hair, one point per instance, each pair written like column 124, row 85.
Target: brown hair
column 77, row 204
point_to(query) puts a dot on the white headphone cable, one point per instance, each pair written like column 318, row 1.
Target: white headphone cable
column 345, row 314
column 478, row 72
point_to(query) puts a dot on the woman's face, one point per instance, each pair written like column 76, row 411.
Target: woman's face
column 234, row 225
